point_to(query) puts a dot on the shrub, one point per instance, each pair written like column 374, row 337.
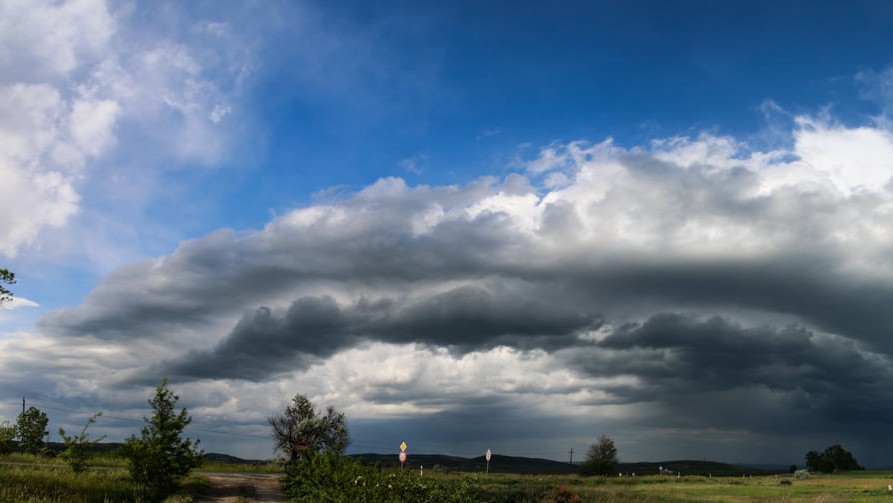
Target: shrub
column 31, row 428
column 602, row 458
column 159, row 459
column 802, row 474
column 835, row 458
column 562, row 495
column 301, row 428
column 7, row 435
column 329, row 477
column 75, row 453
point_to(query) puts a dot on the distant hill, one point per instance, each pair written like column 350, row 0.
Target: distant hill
column 233, row 460
column 512, row 464
column 507, row 464
column 55, row 448
column 498, row 463
column 693, row 467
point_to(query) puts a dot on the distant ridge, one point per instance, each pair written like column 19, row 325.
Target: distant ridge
column 513, row 464
column 507, row 464
column 498, row 463
column 693, row 467
column 55, row 448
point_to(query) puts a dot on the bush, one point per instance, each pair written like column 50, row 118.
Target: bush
column 602, row 458
column 159, row 459
column 31, row 428
column 7, row 435
column 834, row 459
column 562, row 495
column 75, row 453
column 329, row 477
column 301, row 428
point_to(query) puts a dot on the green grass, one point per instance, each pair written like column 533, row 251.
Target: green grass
column 36, row 479
column 57, row 484
column 48, row 480
column 851, row 487
column 216, row 466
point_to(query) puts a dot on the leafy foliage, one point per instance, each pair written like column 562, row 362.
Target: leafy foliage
column 834, row 459
column 159, row 459
column 31, row 429
column 8, row 278
column 7, row 435
column 301, row 429
column 562, row 495
column 601, row 458
column 329, row 477
column 75, row 453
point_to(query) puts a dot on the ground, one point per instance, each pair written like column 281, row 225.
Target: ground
column 242, row 488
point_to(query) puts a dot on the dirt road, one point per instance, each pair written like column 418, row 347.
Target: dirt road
column 242, row 488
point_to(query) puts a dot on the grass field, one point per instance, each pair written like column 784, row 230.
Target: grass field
column 869, row 486
column 46, row 480
column 36, row 479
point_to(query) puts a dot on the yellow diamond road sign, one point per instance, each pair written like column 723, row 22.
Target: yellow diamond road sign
column 403, row 446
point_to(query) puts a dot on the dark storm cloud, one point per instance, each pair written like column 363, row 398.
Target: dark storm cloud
column 262, row 344
column 470, row 427
column 575, row 250
column 807, row 287
column 463, row 319
column 674, row 355
column 367, row 240
column 783, row 279
column 472, row 318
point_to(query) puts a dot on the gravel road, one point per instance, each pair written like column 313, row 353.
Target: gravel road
column 250, row 487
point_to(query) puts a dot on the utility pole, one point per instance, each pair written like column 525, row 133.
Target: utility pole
column 572, row 455
column 22, row 444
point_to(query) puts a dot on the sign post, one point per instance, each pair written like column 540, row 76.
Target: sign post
column 488, row 455
column 402, row 454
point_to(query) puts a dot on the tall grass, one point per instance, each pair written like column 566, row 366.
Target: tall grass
column 36, row 479
column 57, row 484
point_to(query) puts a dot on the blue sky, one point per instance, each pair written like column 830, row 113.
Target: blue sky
column 464, row 223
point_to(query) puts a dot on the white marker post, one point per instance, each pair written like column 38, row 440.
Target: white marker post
column 488, row 455
column 402, row 454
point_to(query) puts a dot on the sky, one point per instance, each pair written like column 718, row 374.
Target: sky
column 467, row 225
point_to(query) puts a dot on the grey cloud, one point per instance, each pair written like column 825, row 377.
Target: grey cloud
column 497, row 264
column 472, row 318
column 471, row 426
column 806, row 287
column 364, row 241
column 673, row 356
column 262, row 344
column 463, row 319
column 377, row 239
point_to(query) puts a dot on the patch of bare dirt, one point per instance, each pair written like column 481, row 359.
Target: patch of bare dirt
column 242, row 488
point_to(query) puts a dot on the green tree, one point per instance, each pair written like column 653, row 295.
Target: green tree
column 159, row 459
column 834, row 459
column 31, row 428
column 302, row 429
column 75, row 453
column 7, row 435
column 601, row 458
column 8, row 278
